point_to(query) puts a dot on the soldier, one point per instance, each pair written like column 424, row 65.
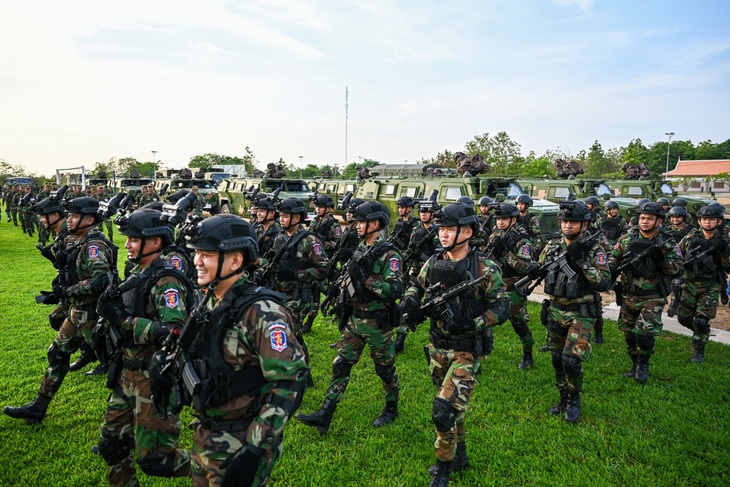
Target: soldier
column 103, row 194
column 635, row 219
column 572, row 310
column 612, row 224
column 211, row 201
column 145, row 196
column 704, row 277
column 677, row 224
column 268, row 228
column 303, row 263
column 648, row 258
column 155, row 302
column 528, row 221
column 85, row 277
column 461, row 340
column 26, row 220
column 486, row 223
column 250, row 366
column 405, row 224
column 664, row 202
column 43, row 233
column 14, row 202
column 594, row 207
column 366, row 316
column 681, row 202
column 510, row 248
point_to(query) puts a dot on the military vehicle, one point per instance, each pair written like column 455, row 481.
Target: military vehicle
column 129, row 185
column 20, row 181
column 234, row 195
column 653, row 189
column 180, row 180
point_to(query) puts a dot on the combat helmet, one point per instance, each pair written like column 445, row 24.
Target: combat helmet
column 680, row 202
column 458, row 215
column 324, row 200
column 610, row 205
column 711, row 211
column 405, row 201
column 526, row 199
column 651, row 209
column 677, row 212
column 47, row 206
column 371, row 211
column 146, row 223
column 574, row 211
column 663, row 201
column 294, row 206
column 225, row 233
column 505, row 210
column 592, row 200
column 484, row 200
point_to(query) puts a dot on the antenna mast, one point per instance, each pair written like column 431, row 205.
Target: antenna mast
column 346, row 108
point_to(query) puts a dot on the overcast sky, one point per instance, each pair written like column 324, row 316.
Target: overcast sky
column 85, row 81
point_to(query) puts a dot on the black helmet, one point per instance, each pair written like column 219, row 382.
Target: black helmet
column 592, row 200
column 458, row 215
column 505, row 210
column 610, row 205
column 405, row 201
column 145, row 223
column 466, row 200
column 524, row 198
column 642, row 201
column 663, row 201
column 574, row 211
column 677, row 212
column 84, row 205
column 47, row 206
column 267, row 204
column 484, row 200
column 371, row 211
column 711, row 211
column 295, row 206
column 680, row 202
column 651, row 209
column 225, row 233
column 354, row 203
column 324, row 200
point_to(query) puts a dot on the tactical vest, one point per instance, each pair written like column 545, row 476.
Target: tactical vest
column 707, row 266
column 422, row 239
column 135, row 299
column 559, row 285
column 365, row 295
column 525, row 222
column 466, row 307
column 321, row 228
column 611, row 228
column 678, row 235
column 511, row 238
column 72, row 275
column 220, row 382
column 290, row 260
column 266, row 242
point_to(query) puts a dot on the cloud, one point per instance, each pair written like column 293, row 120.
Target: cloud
column 583, row 5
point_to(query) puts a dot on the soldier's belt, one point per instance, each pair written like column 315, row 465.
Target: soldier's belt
column 367, row 315
column 568, row 307
column 642, row 292
column 462, row 344
column 219, row 425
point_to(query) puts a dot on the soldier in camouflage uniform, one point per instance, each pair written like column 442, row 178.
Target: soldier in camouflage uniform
column 666, row 206
column 704, row 278
column 459, row 343
column 155, row 301
column 367, row 313
column 572, row 310
column 43, row 234
column 510, row 248
column 303, row 265
column 145, row 196
column 594, row 207
column 486, row 223
column 528, row 221
column 13, row 202
column 405, row 224
column 250, row 366
column 268, row 228
column 103, row 194
column 682, row 203
column 86, row 275
column 26, row 218
column 645, row 284
column 676, row 224
column 612, row 224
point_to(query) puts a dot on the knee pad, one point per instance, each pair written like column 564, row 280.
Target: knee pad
column 630, row 340
column 158, row 465
column 115, row 450
column 686, row 322
column 57, row 356
column 645, row 342
column 701, row 325
column 571, row 365
column 557, row 360
column 443, row 415
column 385, row 372
column 341, row 368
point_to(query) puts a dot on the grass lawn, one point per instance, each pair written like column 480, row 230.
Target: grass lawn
column 675, row 430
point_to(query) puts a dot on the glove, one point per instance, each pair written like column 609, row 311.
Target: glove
column 533, row 271
column 721, row 246
column 357, row 273
column 160, row 384
column 412, row 308
column 577, row 253
column 47, row 297
column 460, row 328
column 240, row 468
column 498, row 246
column 160, row 332
column 346, row 254
column 286, row 274
column 111, row 310
column 658, row 254
column 61, row 292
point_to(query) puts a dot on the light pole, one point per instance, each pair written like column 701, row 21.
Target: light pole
column 670, row 135
column 300, row 166
column 154, row 156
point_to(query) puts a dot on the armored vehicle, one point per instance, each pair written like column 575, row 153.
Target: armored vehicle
column 653, row 189
column 235, row 195
column 130, row 185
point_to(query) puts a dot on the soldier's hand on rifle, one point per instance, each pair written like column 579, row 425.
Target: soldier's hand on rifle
column 61, row 292
column 658, row 254
column 498, row 246
column 721, row 246
column 160, row 383
column 241, row 467
column 47, row 297
column 286, row 274
column 160, row 332
column 345, row 255
column 411, row 307
column 533, row 271
column 112, row 310
column 357, row 273
column 577, row 252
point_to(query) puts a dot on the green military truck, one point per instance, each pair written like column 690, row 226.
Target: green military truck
column 129, row 185
column 653, row 189
column 174, row 181
column 234, row 194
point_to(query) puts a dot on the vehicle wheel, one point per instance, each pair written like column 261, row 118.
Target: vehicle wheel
column 226, row 208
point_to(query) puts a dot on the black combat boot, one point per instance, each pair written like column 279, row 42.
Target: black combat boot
column 460, row 462
column 87, row 357
column 563, row 404
column 631, row 373
column 642, row 369
column 322, row 418
column 572, row 411
column 527, row 361
column 100, row 369
column 598, row 328
column 698, row 356
column 32, row 413
column 388, row 415
column 400, row 342
column 441, row 477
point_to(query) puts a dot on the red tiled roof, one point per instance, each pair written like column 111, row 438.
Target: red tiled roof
column 700, row 168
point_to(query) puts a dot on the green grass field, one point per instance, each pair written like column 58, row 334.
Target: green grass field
column 675, row 430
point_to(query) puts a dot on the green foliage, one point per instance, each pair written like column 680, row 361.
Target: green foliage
column 211, row 159
column 500, row 151
column 533, row 166
column 349, row 171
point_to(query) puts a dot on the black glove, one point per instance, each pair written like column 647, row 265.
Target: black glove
column 240, row 468
column 498, row 246
column 459, row 328
column 658, row 254
column 286, row 274
column 112, row 310
column 160, row 332
column 47, row 297
column 412, row 308
column 160, row 384
column 61, row 292
column 721, row 246
column 346, row 254
column 576, row 252
column 533, row 271
column 357, row 273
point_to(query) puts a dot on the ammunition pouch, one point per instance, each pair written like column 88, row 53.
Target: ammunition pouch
column 214, row 390
column 58, row 316
column 115, row 371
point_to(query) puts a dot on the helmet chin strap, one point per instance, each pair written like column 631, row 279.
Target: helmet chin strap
column 364, row 235
column 218, row 277
column 456, row 241
column 290, row 223
column 50, row 224
column 78, row 228
column 142, row 255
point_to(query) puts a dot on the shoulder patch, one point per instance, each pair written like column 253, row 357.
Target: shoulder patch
column 93, row 251
column 525, row 250
column 394, row 264
column 317, row 248
column 338, row 230
column 678, row 250
column 601, row 258
column 277, row 334
column 172, row 298
column 176, row 263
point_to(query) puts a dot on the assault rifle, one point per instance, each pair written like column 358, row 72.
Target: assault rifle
column 266, row 271
column 344, row 202
column 696, row 255
column 437, row 303
column 632, row 260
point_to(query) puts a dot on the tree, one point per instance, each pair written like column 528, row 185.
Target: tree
column 499, row 151
column 596, row 162
column 535, row 167
column 349, row 171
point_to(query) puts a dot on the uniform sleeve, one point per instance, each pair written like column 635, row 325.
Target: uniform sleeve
column 168, row 304
column 388, row 283
column 492, row 291
column 313, row 252
column 519, row 258
column 673, row 265
column 597, row 272
column 418, row 288
column 267, row 328
column 96, row 263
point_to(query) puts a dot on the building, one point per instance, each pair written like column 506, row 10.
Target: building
column 701, row 176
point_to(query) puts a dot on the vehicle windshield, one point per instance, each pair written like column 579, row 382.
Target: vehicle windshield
column 666, row 188
column 602, row 188
column 189, row 183
column 135, row 182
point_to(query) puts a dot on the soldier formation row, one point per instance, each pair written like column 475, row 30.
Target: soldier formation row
column 224, row 333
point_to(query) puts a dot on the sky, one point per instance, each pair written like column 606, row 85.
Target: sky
column 87, row 81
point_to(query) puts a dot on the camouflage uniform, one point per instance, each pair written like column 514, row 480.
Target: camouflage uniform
column 13, row 203
column 455, row 353
column 267, row 237
column 212, row 200
column 613, row 228
column 43, row 232
column 514, row 261
column 258, row 344
column 106, row 195
column 329, row 232
column 679, row 231
column 486, row 227
column 530, row 224
column 643, row 297
column 131, row 422
column 702, row 283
